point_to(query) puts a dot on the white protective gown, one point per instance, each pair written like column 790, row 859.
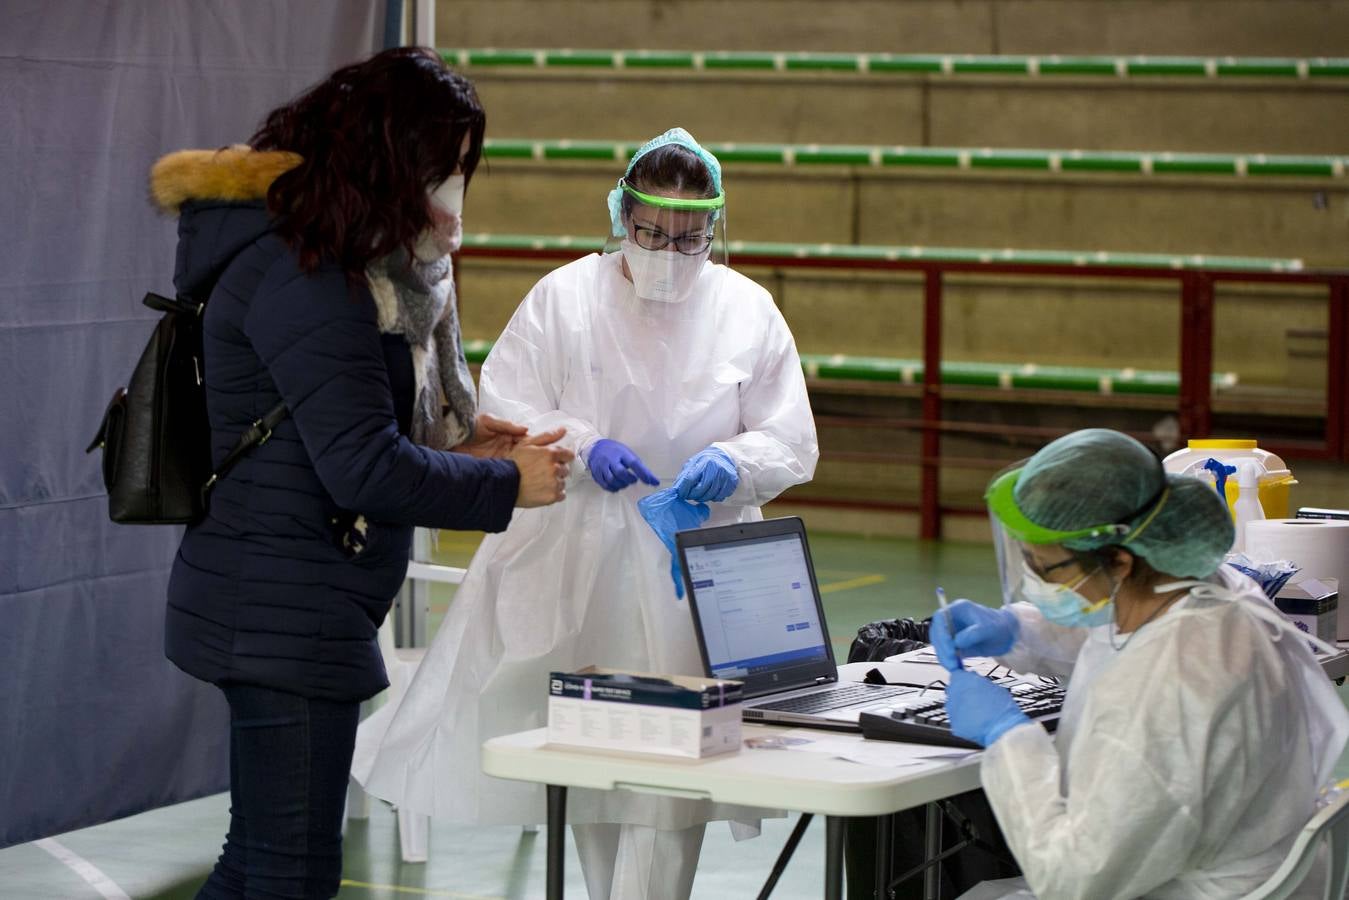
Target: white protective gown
column 586, row 581
column 1184, row 764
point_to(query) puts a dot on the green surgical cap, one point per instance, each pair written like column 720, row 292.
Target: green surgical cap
column 679, row 137
column 1178, row 524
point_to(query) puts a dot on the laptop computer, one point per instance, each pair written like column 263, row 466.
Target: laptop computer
column 757, row 613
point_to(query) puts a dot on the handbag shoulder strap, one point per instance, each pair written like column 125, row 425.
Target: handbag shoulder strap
column 255, row 435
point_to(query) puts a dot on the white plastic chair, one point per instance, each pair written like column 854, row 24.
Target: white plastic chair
column 1330, row 826
column 414, row 829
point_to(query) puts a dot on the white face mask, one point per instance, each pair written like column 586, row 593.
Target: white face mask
column 662, row 274
column 449, row 195
column 447, row 208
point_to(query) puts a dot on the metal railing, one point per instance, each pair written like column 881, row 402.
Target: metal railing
column 1195, row 280
column 413, row 603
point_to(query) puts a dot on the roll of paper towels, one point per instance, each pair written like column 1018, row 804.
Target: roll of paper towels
column 1319, row 546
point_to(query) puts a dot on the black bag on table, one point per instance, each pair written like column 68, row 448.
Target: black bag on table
column 877, row 640
column 155, row 437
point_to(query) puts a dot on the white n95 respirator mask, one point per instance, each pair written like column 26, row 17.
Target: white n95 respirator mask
column 662, row 275
column 447, row 214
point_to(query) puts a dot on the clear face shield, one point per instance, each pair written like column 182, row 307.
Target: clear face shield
column 667, row 242
column 1033, row 565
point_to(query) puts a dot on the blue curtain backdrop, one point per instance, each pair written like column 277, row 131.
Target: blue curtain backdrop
column 94, row 722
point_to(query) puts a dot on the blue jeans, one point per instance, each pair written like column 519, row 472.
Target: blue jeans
column 289, row 762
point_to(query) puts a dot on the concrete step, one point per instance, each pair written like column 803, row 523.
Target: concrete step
column 841, row 369
column 1201, row 27
column 1302, row 217
column 1180, row 112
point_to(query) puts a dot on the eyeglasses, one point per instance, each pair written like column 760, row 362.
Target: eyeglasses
column 1043, row 571
column 691, row 244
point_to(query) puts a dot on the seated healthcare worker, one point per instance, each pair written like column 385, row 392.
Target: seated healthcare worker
column 1197, row 727
column 665, row 367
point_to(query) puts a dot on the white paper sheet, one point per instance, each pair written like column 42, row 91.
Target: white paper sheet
column 886, row 754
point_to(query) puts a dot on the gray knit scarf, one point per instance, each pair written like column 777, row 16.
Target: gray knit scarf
column 416, row 299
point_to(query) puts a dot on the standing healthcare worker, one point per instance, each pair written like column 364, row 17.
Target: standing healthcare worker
column 665, row 368
column 1198, row 726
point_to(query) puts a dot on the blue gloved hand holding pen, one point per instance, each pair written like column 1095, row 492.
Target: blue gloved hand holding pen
column 968, row 629
column 980, row 710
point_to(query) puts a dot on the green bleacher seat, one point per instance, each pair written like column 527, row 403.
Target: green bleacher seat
column 750, row 252
column 910, row 63
column 838, row 367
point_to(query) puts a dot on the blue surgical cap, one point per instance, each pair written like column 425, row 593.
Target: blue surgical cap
column 679, row 137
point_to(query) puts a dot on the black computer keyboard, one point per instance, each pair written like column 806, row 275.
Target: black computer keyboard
column 923, row 720
column 836, row 698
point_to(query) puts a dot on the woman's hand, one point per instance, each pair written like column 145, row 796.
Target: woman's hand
column 543, row 469
column 492, row 437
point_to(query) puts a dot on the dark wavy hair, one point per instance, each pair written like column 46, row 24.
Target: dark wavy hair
column 375, row 137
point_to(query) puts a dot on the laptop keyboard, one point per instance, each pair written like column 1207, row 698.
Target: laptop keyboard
column 835, row 698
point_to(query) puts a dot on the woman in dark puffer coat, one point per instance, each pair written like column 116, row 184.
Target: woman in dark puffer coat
column 277, row 593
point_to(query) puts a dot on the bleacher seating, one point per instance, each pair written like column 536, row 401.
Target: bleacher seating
column 1194, row 104
column 926, row 131
column 1233, row 204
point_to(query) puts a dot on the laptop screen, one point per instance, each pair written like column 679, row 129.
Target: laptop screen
column 756, row 606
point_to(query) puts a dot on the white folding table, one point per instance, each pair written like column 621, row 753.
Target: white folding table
column 1337, row 666
column 770, row 779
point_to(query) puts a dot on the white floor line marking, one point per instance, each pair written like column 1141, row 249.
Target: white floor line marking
column 82, row 867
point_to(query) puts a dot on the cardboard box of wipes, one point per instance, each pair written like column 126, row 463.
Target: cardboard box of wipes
column 1312, row 605
column 635, row 712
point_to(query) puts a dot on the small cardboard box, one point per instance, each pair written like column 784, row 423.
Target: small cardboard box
column 670, row 715
column 1312, row 605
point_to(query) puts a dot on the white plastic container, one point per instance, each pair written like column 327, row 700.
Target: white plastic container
column 1274, row 477
column 1247, row 508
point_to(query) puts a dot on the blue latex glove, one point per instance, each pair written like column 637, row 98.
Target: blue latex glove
column 614, row 466
column 978, row 631
column 708, row 476
column 666, row 513
column 980, row 710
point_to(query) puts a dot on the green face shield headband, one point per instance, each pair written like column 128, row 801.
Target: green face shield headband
column 678, row 203
column 1001, row 500
column 1002, row 503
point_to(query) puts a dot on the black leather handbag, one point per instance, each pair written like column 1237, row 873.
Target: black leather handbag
column 155, row 438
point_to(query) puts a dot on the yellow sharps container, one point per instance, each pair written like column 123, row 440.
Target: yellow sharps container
column 1275, row 478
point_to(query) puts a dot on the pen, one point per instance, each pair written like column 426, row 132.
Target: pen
column 950, row 623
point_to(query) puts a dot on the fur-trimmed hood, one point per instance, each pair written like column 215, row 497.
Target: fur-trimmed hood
column 218, row 196
column 237, row 174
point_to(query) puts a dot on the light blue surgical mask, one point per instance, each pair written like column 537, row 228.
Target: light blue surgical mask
column 1063, row 605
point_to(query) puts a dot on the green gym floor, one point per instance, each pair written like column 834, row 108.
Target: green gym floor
column 166, row 853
